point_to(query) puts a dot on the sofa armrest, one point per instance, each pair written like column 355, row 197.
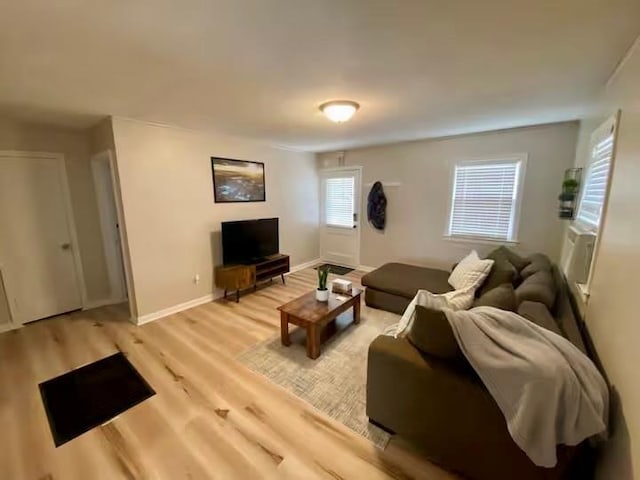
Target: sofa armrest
column 440, row 406
column 406, row 386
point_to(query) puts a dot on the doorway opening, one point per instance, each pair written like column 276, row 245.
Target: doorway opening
column 102, row 168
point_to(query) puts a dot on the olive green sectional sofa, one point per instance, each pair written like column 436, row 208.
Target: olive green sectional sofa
column 422, row 388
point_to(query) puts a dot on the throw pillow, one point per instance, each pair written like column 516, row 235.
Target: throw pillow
column 470, row 272
column 516, row 260
column 502, row 297
column 501, row 272
column 431, row 333
column 539, row 261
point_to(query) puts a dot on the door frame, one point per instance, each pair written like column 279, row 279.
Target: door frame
column 113, row 264
column 71, row 223
column 12, row 325
column 357, row 207
column 122, row 231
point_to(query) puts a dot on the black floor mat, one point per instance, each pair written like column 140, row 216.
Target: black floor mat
column 336, row 269
column 89, row 396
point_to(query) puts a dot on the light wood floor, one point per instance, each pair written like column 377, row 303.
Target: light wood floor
column 211, row 417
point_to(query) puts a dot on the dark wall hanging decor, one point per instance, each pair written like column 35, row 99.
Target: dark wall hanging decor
column 237, row 180
column 377, row 207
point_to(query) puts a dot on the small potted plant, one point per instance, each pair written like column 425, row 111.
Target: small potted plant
column 322, row 293
column 570, row 186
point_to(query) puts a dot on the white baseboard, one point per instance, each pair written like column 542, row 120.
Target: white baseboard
column 8, row 327
column 150, row 317
column 302, row 266
column 365, row 268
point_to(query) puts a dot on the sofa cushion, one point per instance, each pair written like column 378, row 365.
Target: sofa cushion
column 386, row 301
column 502, row 296
column 539, row 261
column 431, row 333
column 516, row 260
column 501, row 272
column 405, row 280
column 539, row 287
column 539, row 314
column 470, row 272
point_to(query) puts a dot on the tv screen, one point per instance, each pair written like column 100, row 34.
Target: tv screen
column 248, row 241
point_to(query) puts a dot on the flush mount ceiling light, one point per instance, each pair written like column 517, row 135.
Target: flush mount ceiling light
column 339, row 110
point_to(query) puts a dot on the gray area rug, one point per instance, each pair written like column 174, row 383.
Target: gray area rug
column 334, row 383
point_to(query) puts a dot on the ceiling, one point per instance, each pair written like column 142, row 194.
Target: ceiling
column 260, row 68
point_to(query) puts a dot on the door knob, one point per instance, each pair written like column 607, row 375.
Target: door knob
column 65, row 246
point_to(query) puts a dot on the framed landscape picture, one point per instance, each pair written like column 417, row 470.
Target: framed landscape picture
column 237, row 180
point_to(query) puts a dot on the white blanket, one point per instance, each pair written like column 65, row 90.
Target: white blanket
column 549, row 392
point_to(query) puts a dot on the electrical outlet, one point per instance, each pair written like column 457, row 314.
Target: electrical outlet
column 196, row 278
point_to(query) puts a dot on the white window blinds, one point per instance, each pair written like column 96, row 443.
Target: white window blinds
column 339, row 201
column 595, row 186
column 485, row 199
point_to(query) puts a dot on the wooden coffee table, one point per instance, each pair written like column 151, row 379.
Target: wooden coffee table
column 308, row 313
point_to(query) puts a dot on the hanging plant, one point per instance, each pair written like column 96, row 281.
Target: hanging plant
column 570, row 185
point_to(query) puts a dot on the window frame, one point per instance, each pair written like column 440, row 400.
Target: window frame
column 324, row 206
column 515, row 158
column 612, row 122
column 606, row 128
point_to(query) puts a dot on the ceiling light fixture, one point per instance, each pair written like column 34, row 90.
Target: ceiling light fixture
column 339, row 110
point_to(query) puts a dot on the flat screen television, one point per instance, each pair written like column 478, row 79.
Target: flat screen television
column 248, row 241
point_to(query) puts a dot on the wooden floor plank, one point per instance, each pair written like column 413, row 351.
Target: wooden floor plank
column 211, row 417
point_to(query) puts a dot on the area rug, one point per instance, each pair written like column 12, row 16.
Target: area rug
column 334, row 383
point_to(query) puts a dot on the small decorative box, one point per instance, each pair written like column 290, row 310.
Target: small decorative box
column 341, row 286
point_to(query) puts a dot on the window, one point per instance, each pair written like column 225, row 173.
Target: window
column 486, row 199
column 593, row 199
column 339, row 201
column 594, row 190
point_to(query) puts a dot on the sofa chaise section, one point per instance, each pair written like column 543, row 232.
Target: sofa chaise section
column 392, row 286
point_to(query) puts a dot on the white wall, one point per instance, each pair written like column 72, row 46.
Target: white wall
column 417, row 211
column 172, row 222
column 611, row 313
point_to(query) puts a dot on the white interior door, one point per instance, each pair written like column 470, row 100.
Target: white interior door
column 36, row 250
column 105, row 196
column 340, row 216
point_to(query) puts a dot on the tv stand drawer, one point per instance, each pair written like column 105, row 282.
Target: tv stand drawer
column 236, row 277
column 240, row 277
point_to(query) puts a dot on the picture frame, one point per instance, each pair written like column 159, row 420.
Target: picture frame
column 237, row 181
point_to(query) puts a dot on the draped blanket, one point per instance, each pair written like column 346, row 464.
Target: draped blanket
column 549, row 392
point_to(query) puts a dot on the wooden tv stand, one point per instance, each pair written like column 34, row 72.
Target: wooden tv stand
column 242, row 276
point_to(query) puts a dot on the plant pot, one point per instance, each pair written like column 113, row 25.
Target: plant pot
column 567, row 197
column 322, row 295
